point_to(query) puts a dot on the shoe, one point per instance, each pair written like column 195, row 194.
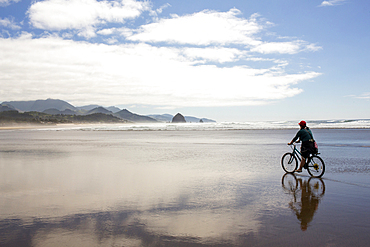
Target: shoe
column 299, row 171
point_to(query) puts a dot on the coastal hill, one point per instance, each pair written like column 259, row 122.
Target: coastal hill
column 53, row 111
column 99, row 109
column 33, row 117
column 56, row 111
column 162, row 117
column 6, row 108
column 125, row 114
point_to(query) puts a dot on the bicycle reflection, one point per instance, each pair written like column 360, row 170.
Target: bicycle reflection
column 307, row 193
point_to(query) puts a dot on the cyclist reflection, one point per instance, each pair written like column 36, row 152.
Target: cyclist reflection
column 306, row 193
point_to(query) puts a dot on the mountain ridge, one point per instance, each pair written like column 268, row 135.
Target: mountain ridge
column 40, row 105
column 60, row 107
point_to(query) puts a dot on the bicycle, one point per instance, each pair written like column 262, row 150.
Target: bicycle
column 314, row 165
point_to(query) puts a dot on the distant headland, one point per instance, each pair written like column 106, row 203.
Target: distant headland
column 54, row 111
column 178, row 118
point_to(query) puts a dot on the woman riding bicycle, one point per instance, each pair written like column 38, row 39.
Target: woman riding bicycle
column 307, row 146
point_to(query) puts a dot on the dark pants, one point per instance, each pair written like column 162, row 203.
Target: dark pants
column 307, row 148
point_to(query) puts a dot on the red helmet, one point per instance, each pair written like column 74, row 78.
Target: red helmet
column 302, row 124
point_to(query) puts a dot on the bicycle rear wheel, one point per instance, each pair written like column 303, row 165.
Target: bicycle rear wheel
column 317, row 187
column 289, row 162
column 316, row 167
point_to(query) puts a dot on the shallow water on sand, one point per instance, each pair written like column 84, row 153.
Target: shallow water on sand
column 180, row 188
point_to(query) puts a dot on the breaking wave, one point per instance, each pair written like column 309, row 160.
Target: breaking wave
column 326, row 124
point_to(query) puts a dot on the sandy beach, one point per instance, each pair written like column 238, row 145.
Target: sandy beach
column 180, row 188
column 40, row 126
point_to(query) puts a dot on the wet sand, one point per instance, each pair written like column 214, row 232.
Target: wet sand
column 180, row 188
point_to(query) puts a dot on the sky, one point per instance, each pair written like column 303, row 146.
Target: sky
column 236, row 60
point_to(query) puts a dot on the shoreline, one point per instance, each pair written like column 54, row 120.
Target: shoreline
column 165, row 126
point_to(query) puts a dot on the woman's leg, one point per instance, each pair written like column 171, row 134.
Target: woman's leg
column 304, row 153
column 303, row 161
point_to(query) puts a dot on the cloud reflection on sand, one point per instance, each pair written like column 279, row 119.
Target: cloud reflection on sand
column 164, row 200
column 93, row 189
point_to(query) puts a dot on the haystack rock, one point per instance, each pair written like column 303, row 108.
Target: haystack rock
column 178, row 118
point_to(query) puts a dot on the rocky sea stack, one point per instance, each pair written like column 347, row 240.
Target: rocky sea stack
column 178, row 118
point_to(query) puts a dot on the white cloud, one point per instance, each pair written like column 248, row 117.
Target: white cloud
column 9, row 23
column 213, row 54
column 312, row 47
column 292, row 47
column 81, row 73
column 277, row 47
column 364, row 96
column 88, row 32
column 331, row 3
column 361, row 96
column 107, row 31
column 82, row 15
column 164, row 6
column 4, row 3
column 111, row 41
column 113, row 31
column 159, row 10
column 202, row 28
column 216, row 28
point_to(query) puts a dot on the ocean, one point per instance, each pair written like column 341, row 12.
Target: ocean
column 317, row 124
column 210, row 184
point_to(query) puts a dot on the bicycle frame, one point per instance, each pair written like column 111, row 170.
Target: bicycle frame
column 296, row 153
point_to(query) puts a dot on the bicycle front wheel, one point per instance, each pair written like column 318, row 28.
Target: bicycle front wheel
column 289, row 162
column 289, row 182
column 316, row 167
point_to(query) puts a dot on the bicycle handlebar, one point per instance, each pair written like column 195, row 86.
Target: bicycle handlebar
column 294, row 143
